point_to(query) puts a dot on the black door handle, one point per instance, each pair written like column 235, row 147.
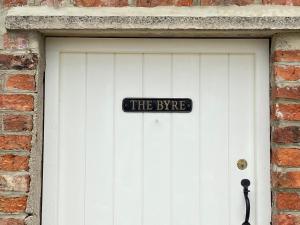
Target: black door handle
column 246, row 183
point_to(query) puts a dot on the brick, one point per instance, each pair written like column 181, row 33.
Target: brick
column 102, row 3
column 287, row 111
column 286, row 180
column 15, row 142
column 11, row 221
column 286, row 157
column 286, row 135
column 14, row 162
column 13, row 204
column 13, row 3
column 5, row 61
column 226, row 2
column 183, row 2
column 282, row 2
column 285, row 219
column 17, row 123
column 14, row 183
column 20, row 82
column 286, row 56
column 15, row 40
column 287, row 92
column 18, row 62
column 154, row 3
column 289, row 73
column 48, row 3
column 287, row 201
column 19, row 102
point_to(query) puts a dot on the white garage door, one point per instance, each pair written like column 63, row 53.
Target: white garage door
column 104, row 166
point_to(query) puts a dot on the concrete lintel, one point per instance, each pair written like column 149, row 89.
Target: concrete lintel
column 266, row 20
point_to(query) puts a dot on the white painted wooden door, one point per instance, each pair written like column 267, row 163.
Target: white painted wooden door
column 103, row 166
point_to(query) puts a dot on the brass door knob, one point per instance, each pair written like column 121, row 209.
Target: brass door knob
column 242, row 164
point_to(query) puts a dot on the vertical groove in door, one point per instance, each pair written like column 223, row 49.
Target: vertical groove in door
column 228, row 140
column 171, row 145
column 114, row 144
column 254, row 155
column 143, row 147
column 85, row 138
column 199, row 137
column 58, row 141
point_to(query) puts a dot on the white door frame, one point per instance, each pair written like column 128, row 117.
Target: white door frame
column 259, row 47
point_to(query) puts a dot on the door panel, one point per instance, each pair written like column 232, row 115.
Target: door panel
column 185, row 171
column 214, row 149
column 72, row 149
column 157, row 142
column 128, row 141
column 104, row 166
column 241, row 127
column 99, row 138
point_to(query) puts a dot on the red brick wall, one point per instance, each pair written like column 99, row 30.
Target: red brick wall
column 18, row 67
column 286, row 136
